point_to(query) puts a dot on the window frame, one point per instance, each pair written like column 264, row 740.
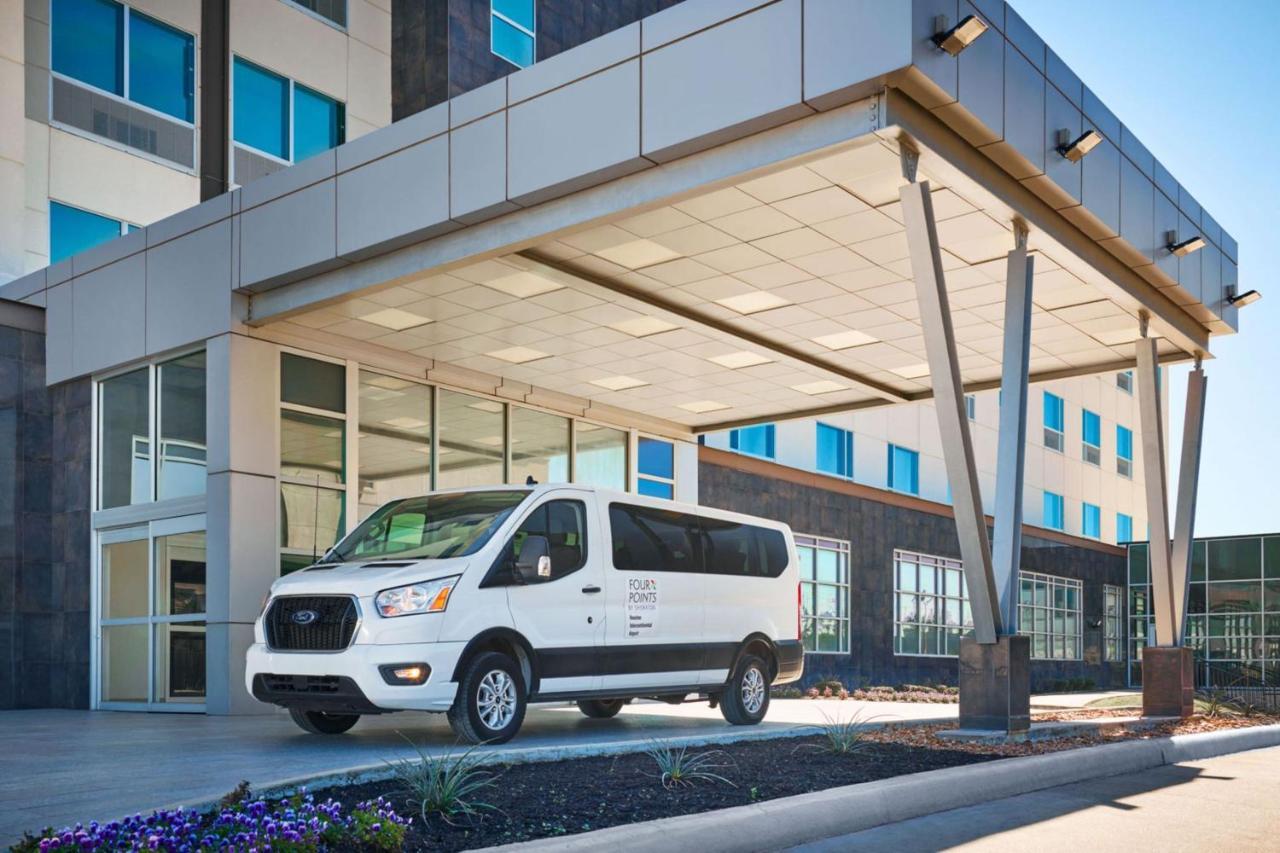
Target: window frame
column 1055, row 438
column 1124, row 381
column 940, row 566
column 1127, row 538
column 532, row 34
column 507, row 555
column 971, row 406
column 843, row 587
column 346, row 14
column 292, row 129
column 1051, row 583
column 1061, row 505
column 124, row 224
column 1087, row 509
column 1124, row 463
column 1090, row 452
column 1113, row 625
column 915, row 470
column 845, row 437
column 655, row 478
column 768, row 433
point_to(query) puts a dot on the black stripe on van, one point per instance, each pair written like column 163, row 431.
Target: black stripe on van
column 575, row 662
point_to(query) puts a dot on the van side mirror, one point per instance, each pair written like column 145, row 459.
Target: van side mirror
column 533, row 564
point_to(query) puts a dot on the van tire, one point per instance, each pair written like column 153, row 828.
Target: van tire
column 322, row 723
column 745, row 700
column 491, row 686
column 601, row 709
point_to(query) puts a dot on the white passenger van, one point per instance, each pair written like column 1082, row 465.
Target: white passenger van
column 478, row 602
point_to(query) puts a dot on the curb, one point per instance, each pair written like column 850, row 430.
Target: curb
column 790, row 821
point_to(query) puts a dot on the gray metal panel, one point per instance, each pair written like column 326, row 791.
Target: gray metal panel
column 1024, row 108
column 1025, row 39
column 1100, row 182
column 1156, row 486
column 1189, row 265
column 478, row 169
column 59, row 340
column 288, row 235
column 1165, row 218
column 850, row 42
column 110, row 118
column 1063, row 78
column 938, row 65
column 980, row 79
column 1136, row 151
column 189, row 288
column 399, row 197
column 1098, row 113
column 1137, row 201
column 1210, row 275
column 36, row 93
column 1060, row 114
column 1165, row 182
column 109, row 317
column 1188, row 488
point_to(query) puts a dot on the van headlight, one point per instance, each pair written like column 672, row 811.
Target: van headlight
column 425, row 597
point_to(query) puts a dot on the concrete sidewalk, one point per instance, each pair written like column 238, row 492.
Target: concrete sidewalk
column 59, row 767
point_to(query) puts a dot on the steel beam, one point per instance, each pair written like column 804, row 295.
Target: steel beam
column 1188, row 482
column 1155, row 474
column 953, row 423
column 1012, row 448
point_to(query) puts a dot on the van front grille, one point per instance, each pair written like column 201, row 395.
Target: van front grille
column 330, row 627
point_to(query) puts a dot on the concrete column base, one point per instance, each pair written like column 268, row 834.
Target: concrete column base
column 1168, row 682
column 995, row 684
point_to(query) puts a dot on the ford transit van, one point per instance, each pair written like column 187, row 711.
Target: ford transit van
column 475, row 603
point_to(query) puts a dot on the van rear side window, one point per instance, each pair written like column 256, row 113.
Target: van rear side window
column 653, row 540
column 732, row 548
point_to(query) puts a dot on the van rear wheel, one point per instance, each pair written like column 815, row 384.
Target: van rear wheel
column 745, row 700
column 601, row 709
column 322, row 723
column 491, row 700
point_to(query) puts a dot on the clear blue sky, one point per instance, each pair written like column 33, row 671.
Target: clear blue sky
column 1199, row 84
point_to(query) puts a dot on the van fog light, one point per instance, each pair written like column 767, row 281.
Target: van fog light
column 405, row 673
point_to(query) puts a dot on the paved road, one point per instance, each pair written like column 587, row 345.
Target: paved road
column 58, row 767
column 1226, row 803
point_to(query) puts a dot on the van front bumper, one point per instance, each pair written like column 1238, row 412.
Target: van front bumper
column 350, row 681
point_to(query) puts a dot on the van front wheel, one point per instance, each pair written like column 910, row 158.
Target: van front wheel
column 745, row 700
column 490, row 704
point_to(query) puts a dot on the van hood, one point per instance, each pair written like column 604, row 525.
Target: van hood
column 365, row 578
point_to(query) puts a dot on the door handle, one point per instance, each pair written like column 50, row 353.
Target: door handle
column 591, row 590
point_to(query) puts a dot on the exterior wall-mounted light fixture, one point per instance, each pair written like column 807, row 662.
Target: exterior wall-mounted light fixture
column 1184, row 247
column 1075, row 149
column 1240, row 300
column 960, row 36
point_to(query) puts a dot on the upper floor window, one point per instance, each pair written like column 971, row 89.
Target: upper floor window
column 513, row 31
column 72, row 230
column 656, row 467
column 331, row 10
column 835, row 451
column 1124, row 451
column 971, row 406
column 904, row 470
column 1091, row 431
column 757, row 440
column 1091, row 520
column 1053, row 422
column 285, row 120
column 1124, row 528
column 1124, row 381
column 1053, row 511
column 125, row 53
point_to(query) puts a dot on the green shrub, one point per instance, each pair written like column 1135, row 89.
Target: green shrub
column 447, row 784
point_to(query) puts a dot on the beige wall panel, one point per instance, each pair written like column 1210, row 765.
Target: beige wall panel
column 370, row 24
column 108, row 181
column 12, row 220
column 183, row 14
column 368, row 84
column 37, row 163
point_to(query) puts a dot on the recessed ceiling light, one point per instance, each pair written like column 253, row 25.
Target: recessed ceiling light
column 822, row 386
column 737, row 360
column 395, row 319
column 844, row 340
column 522, row 284
column 699, row 407
column 642, row 327
column 912, row 371
column 405, row 423
column 750, row 303
column 619, row 383
column 485, row 406
column 638, row 253
column 518, row 355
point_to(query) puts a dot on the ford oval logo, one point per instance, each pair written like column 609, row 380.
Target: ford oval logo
column 304, row 617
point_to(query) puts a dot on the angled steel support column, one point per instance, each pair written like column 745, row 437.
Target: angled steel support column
column 1006, row 551
column 1188, row 482
column 1155, row 474
column 957, row 446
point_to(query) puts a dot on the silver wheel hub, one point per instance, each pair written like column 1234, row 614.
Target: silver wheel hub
column 753, row 690
column 496, row 700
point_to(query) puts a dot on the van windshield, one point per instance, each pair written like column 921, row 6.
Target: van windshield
column 433, row 527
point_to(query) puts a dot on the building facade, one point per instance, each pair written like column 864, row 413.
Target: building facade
column 525, row 279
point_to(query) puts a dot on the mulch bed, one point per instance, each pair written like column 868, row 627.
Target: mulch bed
column 578, row 795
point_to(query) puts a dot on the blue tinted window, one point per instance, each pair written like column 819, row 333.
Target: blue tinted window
column 519, row 12
column 835, row 451
column 1124, row 442
column 88, row 42
column 1053, row 511
column 1124, row 528
column 904, row 470
column 1091, row 521
column 757, row 440
column 1091, row 427
column 318, row 123
column 161, row 67
column 73, row 230
column 1052, row 411
column 261, row 109
column 654, row 489
column 656, row 458
column 511, row 44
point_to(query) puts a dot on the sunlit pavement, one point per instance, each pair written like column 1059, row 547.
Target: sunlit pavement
column 57, row 767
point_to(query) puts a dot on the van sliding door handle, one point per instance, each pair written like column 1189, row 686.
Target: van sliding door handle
column 591, row 590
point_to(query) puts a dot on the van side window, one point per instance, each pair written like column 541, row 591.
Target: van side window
column 564, row 525
column 653, row 540
column 744, row 550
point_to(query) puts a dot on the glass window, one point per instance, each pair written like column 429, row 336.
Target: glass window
column 656, row 468
column 1124, row 381
column 431, row 526
column 971, row 406
column 824, row 594
column 1091, row 520
column 1124, row 528
column 904, row 470
column 601, row 458
column 564, row 525
column 470, row 451
column 931, row 605
column 756, row 440
column 744, row 550
column 88, row 42
column 395, row 440
column 653, row 540
column 313, row 383
column 319, row 123
column 124, row 580
column 539, row 447
column 161, row 67
column 1235, row 559
column 72, row 230
column 182, row 427
column 1124, row 451
column 311, row 518
column 1053, row 422
column 334, row 10
column 1091, row 429
column 513, row 31
column 835, row 451
column 1049, row 611
column 261, row 115
column 312, row 448
column 1053, row 512
column 1112, row 622
column 124, row 460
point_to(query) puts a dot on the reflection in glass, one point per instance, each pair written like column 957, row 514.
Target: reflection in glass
column 124, row 579
column 182, row 427
column 180, row 574
column 312, row 447
column 395, row 440
column 124, row 662
column 179, row 663
column 471, row 441
column 125, row 454
column 313, row 383
column 539, row 447
column 601, row 457
column 310, row 517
